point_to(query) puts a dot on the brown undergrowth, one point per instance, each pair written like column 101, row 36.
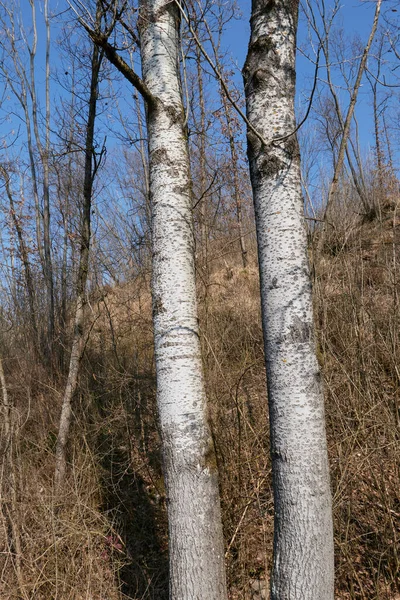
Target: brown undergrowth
column 106, row 538
column 357, row 308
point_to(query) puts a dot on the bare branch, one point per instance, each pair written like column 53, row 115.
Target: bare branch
column 118, row 62
column 222, row 82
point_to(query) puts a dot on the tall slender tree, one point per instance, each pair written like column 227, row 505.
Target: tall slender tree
column 196, row 550
column 19, row 69
column 195, row 533
column 24, row 256
column 303, row 537
column 78, row 341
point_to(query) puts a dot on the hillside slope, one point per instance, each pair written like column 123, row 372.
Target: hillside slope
column 107, row 538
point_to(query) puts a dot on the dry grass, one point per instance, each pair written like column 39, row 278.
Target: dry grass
column 106, row 539
column 358, row 318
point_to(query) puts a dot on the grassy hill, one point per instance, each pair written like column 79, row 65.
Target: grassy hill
column 107, row 538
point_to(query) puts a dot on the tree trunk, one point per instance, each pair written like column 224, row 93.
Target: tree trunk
column 24, row 255
column 78, row 342
column 195, row 533
column 44, row 158
column 46, row 201
column 350, row 113
column 303, row 537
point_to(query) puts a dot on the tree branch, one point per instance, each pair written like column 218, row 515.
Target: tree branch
column 101, row 40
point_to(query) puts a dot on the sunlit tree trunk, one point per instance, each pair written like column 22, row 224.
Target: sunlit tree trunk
column 195, row 532
column 303, row 538
column 196, row 551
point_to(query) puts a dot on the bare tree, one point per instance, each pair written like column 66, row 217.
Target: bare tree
column 326, row 40
column 91, row 165
column 350, row 111
column 18, row 68
column 195, row 533
column 236, row 173
column 24, row 255
column 196, row 551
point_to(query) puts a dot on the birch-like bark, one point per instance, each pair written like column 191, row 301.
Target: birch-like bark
column 196, row 551
column 303, row 536
column 78, row 342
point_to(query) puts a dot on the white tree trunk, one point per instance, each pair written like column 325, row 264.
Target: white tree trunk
column 195, row 531
column 303, row 539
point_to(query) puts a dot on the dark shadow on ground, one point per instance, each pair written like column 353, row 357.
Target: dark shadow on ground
column 126, row 444
column 139, row 520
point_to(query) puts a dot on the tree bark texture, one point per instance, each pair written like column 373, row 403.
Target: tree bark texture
column 303, row 537
column 196, row 551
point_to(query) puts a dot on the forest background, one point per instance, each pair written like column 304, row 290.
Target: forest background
column 107, row 537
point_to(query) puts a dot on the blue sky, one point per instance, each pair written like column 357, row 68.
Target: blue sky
column 355, row 17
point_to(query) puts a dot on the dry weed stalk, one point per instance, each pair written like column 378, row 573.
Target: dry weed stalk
column 107, row 538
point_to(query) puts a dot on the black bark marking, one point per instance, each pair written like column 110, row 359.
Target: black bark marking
column 160, row 157
column 279, row 455
column 263, row 43
column 300, row 331
column 274, row 284
column 158, row 307
column 259, row 79
column 292, row 147
column 270, row 165
column 175, row 114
